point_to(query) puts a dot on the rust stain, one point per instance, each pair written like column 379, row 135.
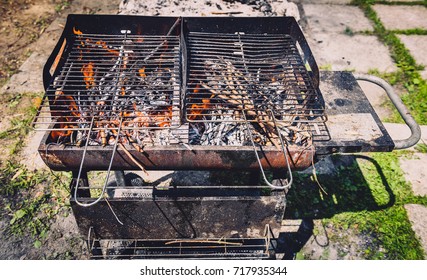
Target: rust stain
column 51, row 159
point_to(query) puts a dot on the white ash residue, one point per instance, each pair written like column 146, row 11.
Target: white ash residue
column 209, row 8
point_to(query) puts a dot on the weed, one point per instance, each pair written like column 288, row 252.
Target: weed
column 34, row 199
column 348, row 31
column 62, row 6
column 326, row 67
column 14, row 178
column 415, row 31
column 421, row 148
column 410, row 77
column 366, row 196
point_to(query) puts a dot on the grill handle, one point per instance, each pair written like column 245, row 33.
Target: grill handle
column 401, row 108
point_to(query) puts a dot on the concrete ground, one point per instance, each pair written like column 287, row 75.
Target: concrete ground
column 330, row 26
column 335, row 33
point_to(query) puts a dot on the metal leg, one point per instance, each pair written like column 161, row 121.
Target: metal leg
column 83, row 191
column 120, row 177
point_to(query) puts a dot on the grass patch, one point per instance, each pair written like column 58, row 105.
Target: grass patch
column 348, row 31
column 366, row 195
column 20, row 124
column 32, row 198
column 409, row 76
column 398, row 3
column 415, row 31
column 421, row 148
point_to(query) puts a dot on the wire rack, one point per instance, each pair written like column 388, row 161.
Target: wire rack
column 231, row 75
column 111, row 79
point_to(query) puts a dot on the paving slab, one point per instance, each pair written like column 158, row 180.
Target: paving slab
column 342, row 52
column 400, row 131
column 416, row 44
column 418, row 216
column 401, row 17
column 415, row 169
column 335, row 18
column 377, row 97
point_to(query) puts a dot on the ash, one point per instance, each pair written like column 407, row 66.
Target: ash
column 209, row 8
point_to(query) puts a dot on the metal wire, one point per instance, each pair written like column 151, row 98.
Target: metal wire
column 229, row 73
column 108, row 75
column 108, row 172
column 289, row 184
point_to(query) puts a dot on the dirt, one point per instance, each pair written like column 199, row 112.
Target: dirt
column 23, row 21
column 28, row 31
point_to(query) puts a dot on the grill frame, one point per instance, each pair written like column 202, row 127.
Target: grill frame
column 178, row 156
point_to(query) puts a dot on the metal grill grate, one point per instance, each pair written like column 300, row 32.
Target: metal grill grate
column 110, row 79
column 196, row 248
column 252, row 73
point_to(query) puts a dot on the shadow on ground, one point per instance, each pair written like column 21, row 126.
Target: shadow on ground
column 343, row 189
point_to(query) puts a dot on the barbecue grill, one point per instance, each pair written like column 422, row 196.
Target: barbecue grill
column 189, row 93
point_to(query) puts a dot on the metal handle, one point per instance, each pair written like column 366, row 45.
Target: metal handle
column 289, row 183
column 401, row 108
column 108, row 171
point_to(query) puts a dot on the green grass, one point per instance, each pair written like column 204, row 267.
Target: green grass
column 403, row 3
column 415, row 31
column 421, row 148
column 20, row 124
column 33, row 199
column 366, row 195
column 409, row 77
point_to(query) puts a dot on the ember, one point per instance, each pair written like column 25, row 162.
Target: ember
column 131, row 79
column 242, row 91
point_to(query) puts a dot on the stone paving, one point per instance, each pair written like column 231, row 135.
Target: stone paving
column 402, row 17
column 330, row 25
column 330, row 33
column 329, row 28
column 417, row 46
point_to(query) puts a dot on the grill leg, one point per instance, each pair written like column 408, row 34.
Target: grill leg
column 120, row 177
column 81, row 192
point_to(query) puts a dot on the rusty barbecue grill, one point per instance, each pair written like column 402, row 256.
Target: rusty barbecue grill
column 165, row 93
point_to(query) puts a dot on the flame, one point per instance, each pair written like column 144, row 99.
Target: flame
column 65, row 119
column 197, row 109
column 105, row 47
column 142, row 72
column 76, row 31
column 88, row 74
column 163, row 119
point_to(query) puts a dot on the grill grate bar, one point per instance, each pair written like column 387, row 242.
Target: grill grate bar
column 231, row 73
column 215, row 249
column 108, row 77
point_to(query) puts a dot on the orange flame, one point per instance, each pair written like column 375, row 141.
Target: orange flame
column 88, row 74
column 105, row 47
column 76, row 31
column 65, row 120
column 197, row 109
column 163, row 119
column 142, row 72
